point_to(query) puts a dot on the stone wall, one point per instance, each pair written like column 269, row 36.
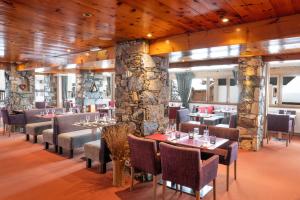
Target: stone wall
column 51, row 89
column 19, row 89
column 251, row 106
column 142, row 88
column 84, row 84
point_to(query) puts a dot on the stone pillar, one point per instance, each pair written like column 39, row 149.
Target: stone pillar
column 141, row 87
column 20, row 88
column 51, row 89
column 251, row 79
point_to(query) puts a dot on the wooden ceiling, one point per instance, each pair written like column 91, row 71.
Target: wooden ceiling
column 39, row 29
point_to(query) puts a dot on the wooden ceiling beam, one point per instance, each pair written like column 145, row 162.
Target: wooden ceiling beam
column 275, row 28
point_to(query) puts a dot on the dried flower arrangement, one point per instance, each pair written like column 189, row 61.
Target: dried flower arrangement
column 116, row 139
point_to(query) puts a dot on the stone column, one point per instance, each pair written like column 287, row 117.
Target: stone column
column 251, row 79
column 141, row 87
column 20, row 88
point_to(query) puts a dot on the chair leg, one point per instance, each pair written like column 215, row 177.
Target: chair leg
column 60, row 150
column 235, row 169
column 35, row 139
column 55, row 148
column 197, row 195
column 46, row 145
column 154, row 186
column 88, row 163
column 214, row 189
column 27, row 137
column 102, row 168
column 227, row 178
column 4, row 128
column 71, row 153
column 132, row 178
column 164, row 189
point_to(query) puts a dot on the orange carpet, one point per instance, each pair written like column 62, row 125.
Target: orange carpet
column 27, row 172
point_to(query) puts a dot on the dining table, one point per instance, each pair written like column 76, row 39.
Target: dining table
column 95, row 125
column 199, row 142
column 207, row 118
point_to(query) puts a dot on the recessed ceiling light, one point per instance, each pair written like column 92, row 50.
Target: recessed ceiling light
column 69, row 50
column 87, row 14
column 225, row 20
column 149, row 35
column 237, row 29
column 87, row 54
column 95, row 49
column 105, row 38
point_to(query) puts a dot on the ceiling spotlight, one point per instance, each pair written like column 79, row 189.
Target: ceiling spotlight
column 69, row 50
column 149, row 35
column 87, row 54
column 87, row 14
column 237, row 29
column 225, row 20
column 104, row 38
column 95, row 49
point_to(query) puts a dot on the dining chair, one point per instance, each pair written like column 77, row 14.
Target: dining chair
column 189, row 126
column 231, row 148
column 40, row 104
column 292, row 121
column 144, row 157
column 232, row 122
column 10, row 120
column 183, row 166
column 278, row 124
column 182, row 116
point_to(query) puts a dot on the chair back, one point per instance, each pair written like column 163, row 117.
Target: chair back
column 31, row 115
column 189, row 126
column 231, row 134
column 143, row 155
column 278, row 123
column 289, row 112
column 40, row 105
column 181, row 165
column 5, row 116
column 182, row 116
column 233, row 121
column 173, row 112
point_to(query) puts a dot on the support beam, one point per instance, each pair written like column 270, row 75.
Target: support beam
column 240, row 34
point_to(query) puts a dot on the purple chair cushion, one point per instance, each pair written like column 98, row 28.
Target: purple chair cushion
column 278, row 123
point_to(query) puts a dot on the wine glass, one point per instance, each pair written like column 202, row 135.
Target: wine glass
column 87, row 118
column 96, row 118
column 47, row 111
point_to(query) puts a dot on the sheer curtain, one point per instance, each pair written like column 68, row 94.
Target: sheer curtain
column 184, row 82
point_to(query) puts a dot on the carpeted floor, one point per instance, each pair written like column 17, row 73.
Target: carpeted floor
column 27, row 172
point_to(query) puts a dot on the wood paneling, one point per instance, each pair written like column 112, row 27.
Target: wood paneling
column 41, row 29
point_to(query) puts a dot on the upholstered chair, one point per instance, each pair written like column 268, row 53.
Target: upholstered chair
column 292, row 121
column 10, row 120
column 230, row 147
column 232, row 122
column 183, row 166
column 182, row 116
column 278, row 124
column 40, row 105
column 144, row 156
column 189, row 126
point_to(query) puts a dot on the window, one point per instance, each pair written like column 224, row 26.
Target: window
column 2, row 86
column 174, row 95
column 233, row 91
column 218, row 90
column 290, row 90
column 199, row 89
column 273, row 91
column 39, row 88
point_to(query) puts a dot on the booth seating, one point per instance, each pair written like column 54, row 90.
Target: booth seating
column 36, row 125
column 97, row 151
column 68, row 136
column 10, row 120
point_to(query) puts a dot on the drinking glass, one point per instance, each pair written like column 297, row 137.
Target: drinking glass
column 196, row 131
column 177, row 135
column 47, row 111
column 191, row 135
column 87, row 118
column 206, row 135
column 212, row 139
